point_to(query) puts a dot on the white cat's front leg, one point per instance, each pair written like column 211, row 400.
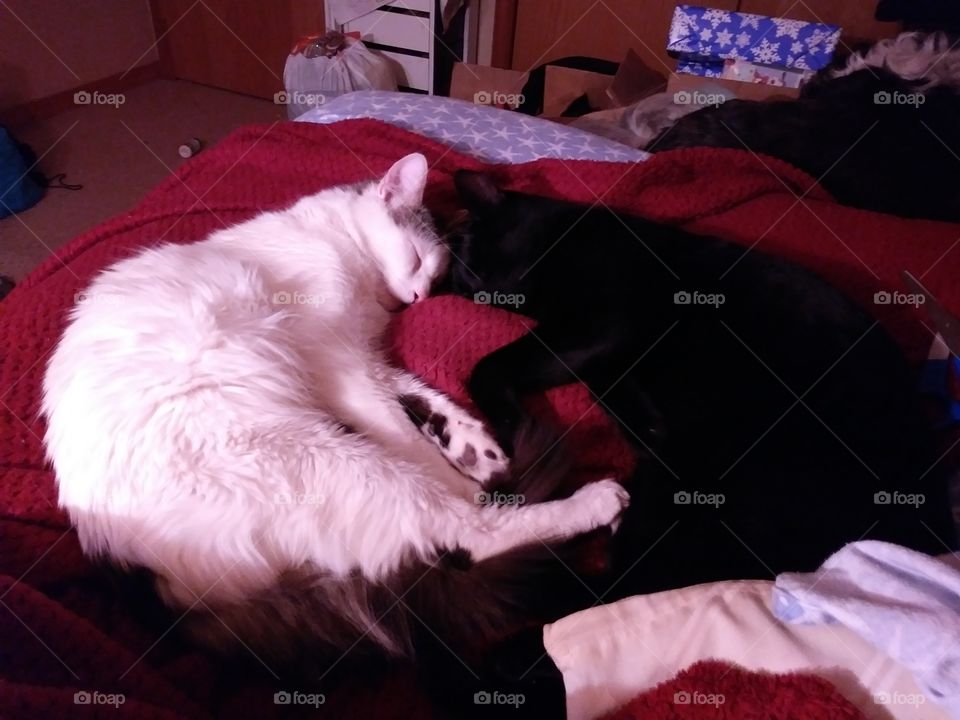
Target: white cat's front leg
column 461, row 438
column 492, row 530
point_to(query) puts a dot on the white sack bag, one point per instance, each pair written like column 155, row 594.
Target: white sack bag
column 329, row 66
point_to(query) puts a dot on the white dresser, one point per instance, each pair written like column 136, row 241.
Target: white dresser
column 409, row 32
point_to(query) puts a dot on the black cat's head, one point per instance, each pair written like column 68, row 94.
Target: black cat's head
column 504, row 242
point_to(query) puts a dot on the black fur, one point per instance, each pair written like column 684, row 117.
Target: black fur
column 709, row 395
column 895, row 158
column 416, row 408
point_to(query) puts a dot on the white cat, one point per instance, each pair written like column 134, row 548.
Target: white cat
column 222, row 414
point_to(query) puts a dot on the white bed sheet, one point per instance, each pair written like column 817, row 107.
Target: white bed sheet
column 611, row 653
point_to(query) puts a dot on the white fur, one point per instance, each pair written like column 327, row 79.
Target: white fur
column 927, row 58
column 194, row 406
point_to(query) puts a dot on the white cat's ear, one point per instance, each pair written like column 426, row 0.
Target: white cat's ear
column 404, row 182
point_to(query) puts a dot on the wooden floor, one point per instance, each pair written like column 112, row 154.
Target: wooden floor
column 118, row 154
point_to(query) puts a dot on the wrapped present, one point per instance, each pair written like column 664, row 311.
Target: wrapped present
column 704, row 68
column 752, row 48
column 940, row 379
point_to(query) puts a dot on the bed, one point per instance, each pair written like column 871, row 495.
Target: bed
column 66, row 633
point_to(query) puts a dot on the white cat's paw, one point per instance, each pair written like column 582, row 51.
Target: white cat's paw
column 473, row 450
column 462, row 439
column 603, row 501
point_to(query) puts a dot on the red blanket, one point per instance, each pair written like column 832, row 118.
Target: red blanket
column 64, row 631
column 713, row 690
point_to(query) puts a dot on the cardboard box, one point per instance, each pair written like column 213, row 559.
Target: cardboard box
column 487, row 85
column 561, row 86
column 634, row 81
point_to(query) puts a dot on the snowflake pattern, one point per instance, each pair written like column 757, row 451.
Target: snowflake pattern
column 487, row 133
column 822, row 38
column 681, row 27
column 701, row 35
column 766, row 53
column 788, row 28
column 716, row 17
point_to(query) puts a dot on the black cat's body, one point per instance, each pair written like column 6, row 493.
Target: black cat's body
column 770, row 410
column 857, row 135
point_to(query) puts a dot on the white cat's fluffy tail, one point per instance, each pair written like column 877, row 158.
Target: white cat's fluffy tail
column 310, row 617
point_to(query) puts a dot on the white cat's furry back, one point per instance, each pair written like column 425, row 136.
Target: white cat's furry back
column 222, row 414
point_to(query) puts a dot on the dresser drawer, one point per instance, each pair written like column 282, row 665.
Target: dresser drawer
column 396, row 29
column 412, row 72
column 421, row 5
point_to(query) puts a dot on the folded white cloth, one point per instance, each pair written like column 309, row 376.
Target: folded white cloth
column 903, row 602
column 611, row 653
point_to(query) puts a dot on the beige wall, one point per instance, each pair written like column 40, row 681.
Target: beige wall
column 93, row 39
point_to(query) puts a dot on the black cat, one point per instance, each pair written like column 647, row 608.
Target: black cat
column 776, row 420
column 853, row 135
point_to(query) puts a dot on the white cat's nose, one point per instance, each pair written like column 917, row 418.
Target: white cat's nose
column 416, row 296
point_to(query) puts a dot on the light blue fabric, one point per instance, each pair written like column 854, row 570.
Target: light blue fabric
column 487, row 133
column 903, row 602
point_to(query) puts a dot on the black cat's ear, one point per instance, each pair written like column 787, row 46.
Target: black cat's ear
column 477, row 191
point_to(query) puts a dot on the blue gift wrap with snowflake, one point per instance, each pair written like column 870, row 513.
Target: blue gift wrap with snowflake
column 721, row 43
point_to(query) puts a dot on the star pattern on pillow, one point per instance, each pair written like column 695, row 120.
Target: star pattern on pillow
column 487, row 133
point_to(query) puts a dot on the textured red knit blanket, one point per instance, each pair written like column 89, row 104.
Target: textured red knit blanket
column 714, row 690
column 63, row 630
